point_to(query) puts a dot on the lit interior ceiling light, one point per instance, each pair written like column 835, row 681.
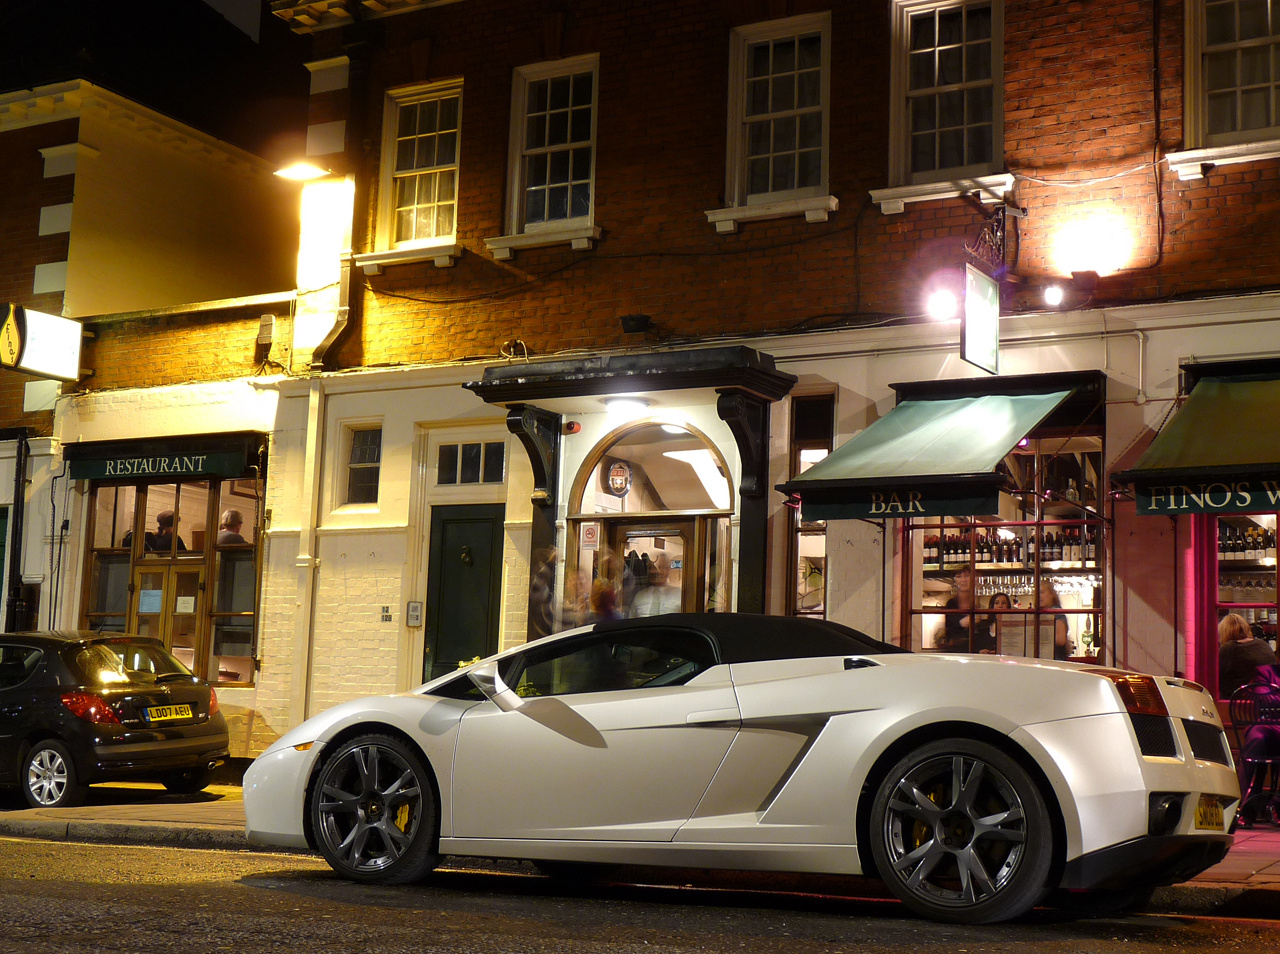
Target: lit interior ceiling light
column 1053, row 296
column 674, row 429
column 942, row 305
column 625, row 408
column 704, row 465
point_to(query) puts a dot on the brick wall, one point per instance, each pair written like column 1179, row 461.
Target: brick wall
column 1082, row 116
column 24, row 191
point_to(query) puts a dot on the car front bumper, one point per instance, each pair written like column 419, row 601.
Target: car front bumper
column 275, row 792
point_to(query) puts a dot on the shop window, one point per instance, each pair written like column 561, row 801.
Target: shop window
column 812, row 427
column 111, row 531
column 176, row 523
column 1025, row 580
column 471, row 463
column 156, row 568
column 1246, row 576
column 364, row 465
column 649, row 525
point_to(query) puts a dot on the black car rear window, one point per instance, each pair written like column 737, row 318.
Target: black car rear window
column 120, row 661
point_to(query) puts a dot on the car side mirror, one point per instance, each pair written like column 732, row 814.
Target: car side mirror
column 490, row 684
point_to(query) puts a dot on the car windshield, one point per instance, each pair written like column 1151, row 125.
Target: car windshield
column 122, row 661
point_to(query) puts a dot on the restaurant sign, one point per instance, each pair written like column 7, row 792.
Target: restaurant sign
column 899, row 501
column 167, row 465
column 1209, row 496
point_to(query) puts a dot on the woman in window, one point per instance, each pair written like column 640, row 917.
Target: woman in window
column 1239, row 654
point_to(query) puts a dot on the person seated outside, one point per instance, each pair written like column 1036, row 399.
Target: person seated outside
column 229, row 527
column 957, row 626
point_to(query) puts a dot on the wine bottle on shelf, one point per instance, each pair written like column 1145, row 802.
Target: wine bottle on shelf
column 1077, row 548
column 1222, row 542
column 1090, row 546
column 1270, row 551
column 1250, row 552
column 1031, row 547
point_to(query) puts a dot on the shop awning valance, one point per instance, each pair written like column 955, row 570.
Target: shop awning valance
column 1220, row 453
column 226, row 455
column 926, row 457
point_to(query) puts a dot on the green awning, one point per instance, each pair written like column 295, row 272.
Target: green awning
column 924, row 458
column 1220, row 453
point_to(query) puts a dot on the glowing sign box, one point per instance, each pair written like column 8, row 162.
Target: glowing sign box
column 47, row 346
column 980, row 327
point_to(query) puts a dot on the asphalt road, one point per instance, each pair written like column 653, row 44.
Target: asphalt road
column 63, row 897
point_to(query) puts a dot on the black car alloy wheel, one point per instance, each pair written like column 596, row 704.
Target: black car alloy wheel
column 374, row 811
column 960, row 832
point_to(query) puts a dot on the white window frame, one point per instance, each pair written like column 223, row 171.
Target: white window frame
column 813, row 202
column 350, row 428
column 1205, row 152
column 580, row 232
column 983, row 179
column 438, row 493
column 442, row 249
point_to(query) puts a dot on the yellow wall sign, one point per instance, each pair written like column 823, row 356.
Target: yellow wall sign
column 10, row 337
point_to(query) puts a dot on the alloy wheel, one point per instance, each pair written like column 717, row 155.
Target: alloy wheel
column 374, row 811
column 47, row 776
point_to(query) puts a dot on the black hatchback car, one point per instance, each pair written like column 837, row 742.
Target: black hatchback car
column 78, row 708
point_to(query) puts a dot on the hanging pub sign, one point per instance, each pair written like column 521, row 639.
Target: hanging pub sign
column 980, row 325
column 1209, row 495
column 47, row 346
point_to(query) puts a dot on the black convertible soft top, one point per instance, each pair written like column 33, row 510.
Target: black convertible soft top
column 746, row 637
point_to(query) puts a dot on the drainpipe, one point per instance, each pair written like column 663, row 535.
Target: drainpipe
column 307, row 563
column 15, row 606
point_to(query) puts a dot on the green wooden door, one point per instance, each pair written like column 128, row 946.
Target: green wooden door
column 464, row 592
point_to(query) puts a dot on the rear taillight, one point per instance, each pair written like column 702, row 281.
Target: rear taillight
column 213, row 701
column 1140, row 694
column 90, row 707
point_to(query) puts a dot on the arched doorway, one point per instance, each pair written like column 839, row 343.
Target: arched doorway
column 649, row 526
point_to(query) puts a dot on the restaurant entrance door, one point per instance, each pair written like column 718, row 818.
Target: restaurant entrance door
column 167, row 604
column 656, row 554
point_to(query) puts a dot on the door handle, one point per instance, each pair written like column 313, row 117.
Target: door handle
column 712, row 717
column 467, row 559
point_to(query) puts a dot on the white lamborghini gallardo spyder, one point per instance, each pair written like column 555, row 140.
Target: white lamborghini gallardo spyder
column 971, row 785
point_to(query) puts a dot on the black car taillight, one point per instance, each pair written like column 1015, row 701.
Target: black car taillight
column 213, row 701
column 90, row 707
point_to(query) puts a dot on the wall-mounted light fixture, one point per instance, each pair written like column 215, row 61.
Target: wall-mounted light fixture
column 635, row 324
column 303, row 171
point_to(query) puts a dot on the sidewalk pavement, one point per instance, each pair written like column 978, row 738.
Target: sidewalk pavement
column 1245, row 884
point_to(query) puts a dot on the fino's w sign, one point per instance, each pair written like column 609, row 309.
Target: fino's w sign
column 1209, row 496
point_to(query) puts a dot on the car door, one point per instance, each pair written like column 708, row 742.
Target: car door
column 17, row 664
column 615, row 737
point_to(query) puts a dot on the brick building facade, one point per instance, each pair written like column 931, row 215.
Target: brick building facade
column 768, row 193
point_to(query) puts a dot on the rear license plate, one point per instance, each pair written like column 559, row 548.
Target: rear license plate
column 169, row 713
column 1209, row 813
